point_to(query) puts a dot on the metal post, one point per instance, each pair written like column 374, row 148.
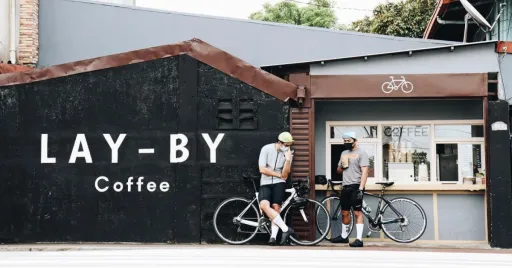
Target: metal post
column 466, row 19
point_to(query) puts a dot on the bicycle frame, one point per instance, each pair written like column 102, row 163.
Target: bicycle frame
column 293, row 193
column 377, row 221
column 395, row 86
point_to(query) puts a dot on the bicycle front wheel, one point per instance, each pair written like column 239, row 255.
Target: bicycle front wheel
column 407, row 220
column 236, row 220
column 332, row 204
column 302, row 216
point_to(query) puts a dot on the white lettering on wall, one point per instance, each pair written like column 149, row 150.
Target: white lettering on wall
column 114, row 146
column 213, row 145
column 44, row 151
column 75, row 153
column 179, row 147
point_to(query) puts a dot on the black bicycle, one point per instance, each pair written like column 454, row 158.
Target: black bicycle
column 237, row 220
column 401, row 219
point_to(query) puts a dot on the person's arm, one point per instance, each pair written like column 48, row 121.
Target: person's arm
column 287, row 165
column 262, row 163
column 364, row 163
column 339, row 170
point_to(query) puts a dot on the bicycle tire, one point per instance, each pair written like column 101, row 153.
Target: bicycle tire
column 331, row 216
column 322, row 236
column 415, row 204
column 217, row 213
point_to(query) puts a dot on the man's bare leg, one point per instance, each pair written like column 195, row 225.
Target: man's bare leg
column 275, row 228
column 345, row 222
column 273, row 215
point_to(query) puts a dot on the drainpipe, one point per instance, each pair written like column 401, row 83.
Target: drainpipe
column 12, row 31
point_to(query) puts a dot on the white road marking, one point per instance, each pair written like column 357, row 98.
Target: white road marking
column 246, row 256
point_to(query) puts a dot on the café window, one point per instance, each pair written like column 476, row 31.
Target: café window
column 406, row 153
column 410, row 152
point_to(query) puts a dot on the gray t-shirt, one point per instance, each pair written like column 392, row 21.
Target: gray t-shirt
column 356, row 159
column 274, row 160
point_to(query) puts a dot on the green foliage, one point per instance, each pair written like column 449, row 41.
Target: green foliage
column 407, row 18
column 319, row 13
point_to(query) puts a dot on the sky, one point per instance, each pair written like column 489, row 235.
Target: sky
column 346, row 10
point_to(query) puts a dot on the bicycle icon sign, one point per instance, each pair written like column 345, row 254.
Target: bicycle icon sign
column 404, row 85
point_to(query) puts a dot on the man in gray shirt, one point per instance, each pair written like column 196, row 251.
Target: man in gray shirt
column 275, row 166
column 354, row 164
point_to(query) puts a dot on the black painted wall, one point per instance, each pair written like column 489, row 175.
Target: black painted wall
column 147, row 101
column 500, row 178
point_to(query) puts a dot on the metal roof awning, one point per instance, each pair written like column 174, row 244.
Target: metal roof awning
column 196, row 48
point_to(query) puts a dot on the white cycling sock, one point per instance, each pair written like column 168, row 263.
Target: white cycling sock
column 360, row 228
column 275, row 230
column 344, row 231
column 279, row 222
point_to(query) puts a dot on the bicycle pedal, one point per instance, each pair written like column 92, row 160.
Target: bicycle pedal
column 369, row 233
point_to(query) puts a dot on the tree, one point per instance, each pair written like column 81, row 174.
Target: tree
column 407, row 18
column 318, row 13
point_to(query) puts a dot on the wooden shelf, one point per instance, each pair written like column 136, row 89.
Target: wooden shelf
column 416, row 187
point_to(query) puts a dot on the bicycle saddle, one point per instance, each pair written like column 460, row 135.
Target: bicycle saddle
column 385, row 183
column 335, row 183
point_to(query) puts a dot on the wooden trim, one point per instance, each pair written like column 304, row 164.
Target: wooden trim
column 485, row 220
column 435, row 216
column 417, row 187
column 487, row 186
column 312, row 163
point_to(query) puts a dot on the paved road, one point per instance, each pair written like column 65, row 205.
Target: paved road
column 247, row 256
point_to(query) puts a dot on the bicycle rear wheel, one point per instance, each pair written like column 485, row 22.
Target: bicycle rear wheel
column 231, row 230
column 301, row 216
column 331, row 203
column 412, row 220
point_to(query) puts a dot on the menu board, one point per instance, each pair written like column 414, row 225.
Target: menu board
column 466, row 160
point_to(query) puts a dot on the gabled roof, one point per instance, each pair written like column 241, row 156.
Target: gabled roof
column 195, row 48
column 67, row 33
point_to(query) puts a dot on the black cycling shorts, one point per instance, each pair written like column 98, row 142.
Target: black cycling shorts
column 274, row 193
column 348, row 198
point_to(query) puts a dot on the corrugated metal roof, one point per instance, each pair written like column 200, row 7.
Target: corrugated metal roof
column 404, row 51
column 71, row 30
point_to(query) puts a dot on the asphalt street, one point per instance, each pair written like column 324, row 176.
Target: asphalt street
column 248, row 256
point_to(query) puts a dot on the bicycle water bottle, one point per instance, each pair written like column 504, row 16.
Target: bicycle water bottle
column 366, row 207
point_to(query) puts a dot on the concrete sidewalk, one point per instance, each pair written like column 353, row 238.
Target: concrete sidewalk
column 380, row 246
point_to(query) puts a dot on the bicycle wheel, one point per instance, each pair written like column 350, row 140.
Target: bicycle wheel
column 387, row 87
column 407, row 87
column 331, row 203
column 301, row 216
column 228, row 228
column 412, row 220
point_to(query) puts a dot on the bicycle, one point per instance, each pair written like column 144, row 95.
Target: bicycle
column 388, row 87
column 295, row 208
column 381, row 221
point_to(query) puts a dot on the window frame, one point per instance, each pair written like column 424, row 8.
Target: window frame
column 378, row 164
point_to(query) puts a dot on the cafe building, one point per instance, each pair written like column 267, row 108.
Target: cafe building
column 422, row 117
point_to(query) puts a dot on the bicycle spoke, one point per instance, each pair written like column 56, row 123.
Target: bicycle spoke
column 231, row 230
column 409, row 227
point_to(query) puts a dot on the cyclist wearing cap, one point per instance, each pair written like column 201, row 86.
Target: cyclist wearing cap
column 275, row 165
column 354, row 164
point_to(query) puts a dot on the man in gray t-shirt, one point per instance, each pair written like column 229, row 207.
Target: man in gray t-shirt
column 275, row 165
column 354, row 164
